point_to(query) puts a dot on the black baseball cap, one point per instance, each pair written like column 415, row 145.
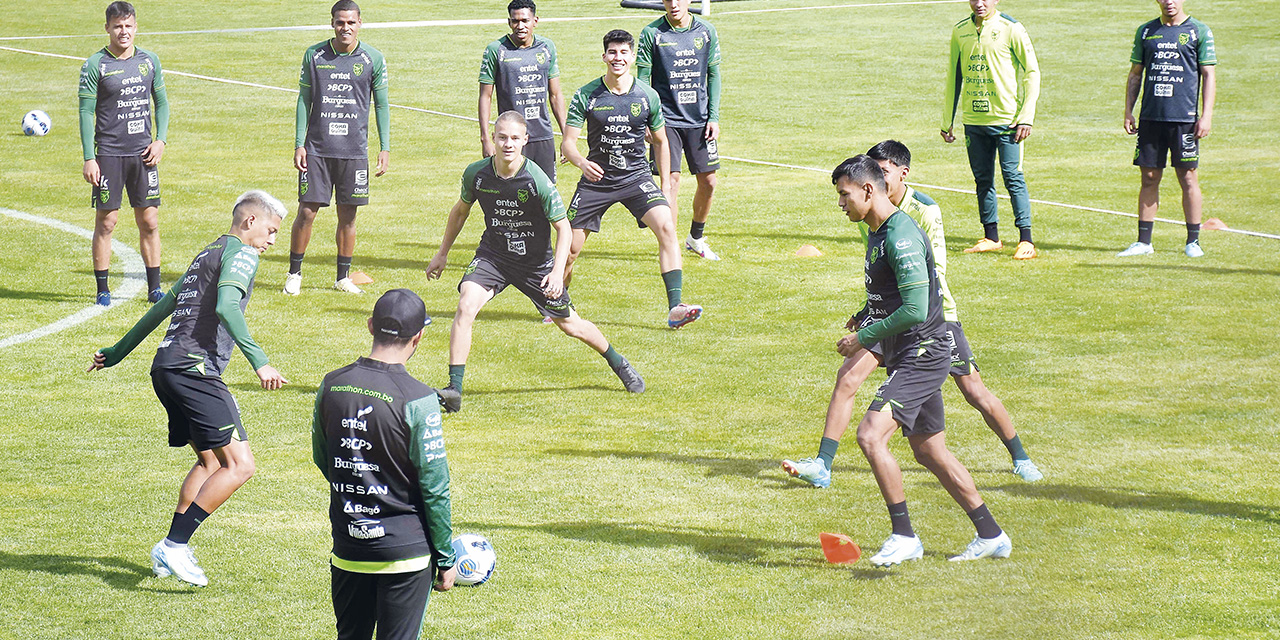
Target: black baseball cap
column 399, row 313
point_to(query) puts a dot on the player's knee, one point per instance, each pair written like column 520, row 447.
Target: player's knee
column 1150, row 178
column 107, row 223
column 148, row 224
column 868, row 439
column 926, row 456
column 707, row 181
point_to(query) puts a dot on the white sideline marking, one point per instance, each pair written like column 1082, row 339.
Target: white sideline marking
column 743, row 160
column 133, row 280
column 409, row 24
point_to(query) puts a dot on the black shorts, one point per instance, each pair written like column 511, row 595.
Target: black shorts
column 495, row 277
column 691, row 143
column 913, row 391
column 963, row 362
column 349, row 177
column 543, row 153
column 589, row 202
column 395, row 603
column 201, row 409
column 1158, row 140
column 121, row 173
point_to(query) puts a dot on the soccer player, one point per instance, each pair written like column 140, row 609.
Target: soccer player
column 994, row 79
column 1173, row 63
column 895, row 162
column 376, row 437
column 117, row 87
column 618, row 111
column 904, row 303
column 518, row 201
column 522, row 70
column 338, row 78
column 206, row 310
column 679, row 56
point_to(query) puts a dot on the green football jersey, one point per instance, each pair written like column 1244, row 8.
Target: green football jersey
column 928, row 215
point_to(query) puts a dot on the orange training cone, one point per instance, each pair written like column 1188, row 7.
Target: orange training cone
column 360, row 277
column 1213, row 224
column 839, row 548
column 808, row 251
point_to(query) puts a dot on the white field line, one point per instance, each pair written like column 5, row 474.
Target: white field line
column 743, row 160
column 412, row 24
column 133, row 280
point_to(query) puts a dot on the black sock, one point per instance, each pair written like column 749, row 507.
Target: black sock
column 456, row 372
column 901, row 520
column 344, row 267
column 101, row 277
column 674, row 281
column 1024, row 234
column 184, row 524
column 827, row 451
column 614, row 358
column 696, row 228
column 1144, row 231
column 985, row 523
column 153, row 278
column 1193, row 232
column 1014, row 446
column 295, row 262
column 991, row 231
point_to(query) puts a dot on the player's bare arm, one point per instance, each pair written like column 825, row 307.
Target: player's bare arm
column 483, row 110
column 662, row 152
column 1132, row 86
column 553, row 283
column 1209, row 91
column 569, row 147
column 457, row 218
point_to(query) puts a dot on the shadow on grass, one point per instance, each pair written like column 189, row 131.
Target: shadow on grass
column 1148, row 500
column 1185, row 267
column 523, row 390
column 300, row 389
column 714, row 545
column 117, row 573
column 806, row 238
column 754, row 468
column 45, row 296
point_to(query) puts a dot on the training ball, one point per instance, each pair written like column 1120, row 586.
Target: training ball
column 36, row 123
column 476, row 559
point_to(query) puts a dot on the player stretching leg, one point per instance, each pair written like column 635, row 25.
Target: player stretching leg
column 518, row 201
column 904, row 302
column 207, row 317
column 338, row 78
column 895, row 161
column 618, row 111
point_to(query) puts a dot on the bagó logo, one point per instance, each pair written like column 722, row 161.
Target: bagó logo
column 1184, row 38
column 358, row 68
column 635, row 108
column 522, row 195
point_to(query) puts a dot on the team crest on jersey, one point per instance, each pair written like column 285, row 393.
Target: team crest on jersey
column 142, row 68
column 522, row 195
column 541, row 56
column 471, row 268
column 635, row 108
column 697, row 43
column 357, row 68
column 1184, row 38
column 875, row 254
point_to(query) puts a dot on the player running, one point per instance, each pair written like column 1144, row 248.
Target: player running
column 376, row 437
column 521, row 69
column 518, row 201
column 904, row 303
column 1173, row 65
column 117, row 87
column 206, row 311
column 338, row 78
column 618, row 111
column 895, row 161
column 679, row 56
column 994, row 78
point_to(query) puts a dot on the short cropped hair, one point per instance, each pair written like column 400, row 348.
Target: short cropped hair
column 120, row 9
column 860, row 169
column 517, row 5
column 344, row 5
column 893, row 151
column 619, row 36
column 511, row 116
column 257, row 201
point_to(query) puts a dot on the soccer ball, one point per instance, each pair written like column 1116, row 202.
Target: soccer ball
column 476, row 559
column 36, row 123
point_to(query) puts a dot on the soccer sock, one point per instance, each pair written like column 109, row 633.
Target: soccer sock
column 1193, row 232
column 1024, row 234
column 827, row 451
column 101, row 277
column 612, row 356
column 153, row 278
column 344, row 267
column 184, row 524
column 1144, row 231
column 295, row 262
column 901, row 520
column 455, row 375
column 696, row 228
column 1014, row 445
column 984, row 522
column 674, row 279
column 991, row 231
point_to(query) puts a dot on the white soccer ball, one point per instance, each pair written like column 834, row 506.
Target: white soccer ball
column 36, row 123
column 476, row 559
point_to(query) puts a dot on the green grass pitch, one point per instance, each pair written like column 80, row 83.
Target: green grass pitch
column 1145, row 388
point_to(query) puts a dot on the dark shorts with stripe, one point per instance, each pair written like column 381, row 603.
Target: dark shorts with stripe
column 543, row 153
column 395, row 603
column 125, row 173
column 963, row 362
column 495, row 276
column 690, row 143
column 1157, row 141
column 348, row 178
column 201, row 409
column 589, row 202
column 913, row 391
